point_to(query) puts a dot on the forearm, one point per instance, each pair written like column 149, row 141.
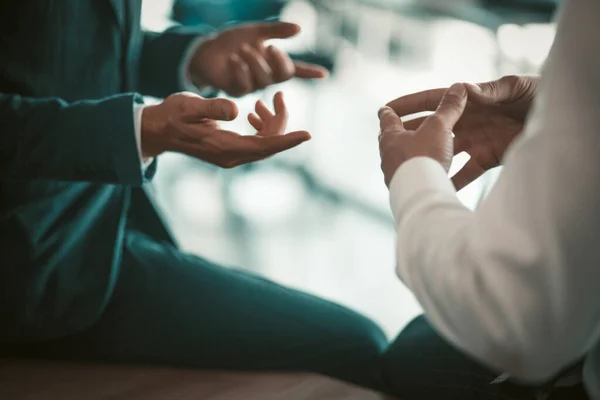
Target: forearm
column 48, row 138
column 163, row 60
column 472, row 277
column 504, row 283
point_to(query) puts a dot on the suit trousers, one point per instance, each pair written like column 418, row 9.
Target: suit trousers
column 176, row 309
column 421, row 364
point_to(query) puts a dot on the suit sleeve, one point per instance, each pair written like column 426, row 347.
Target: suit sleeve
column 161, row 60
column 49, row 138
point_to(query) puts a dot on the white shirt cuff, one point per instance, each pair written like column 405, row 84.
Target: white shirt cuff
column 138, row 110
column 184, row 76
column 414, row 177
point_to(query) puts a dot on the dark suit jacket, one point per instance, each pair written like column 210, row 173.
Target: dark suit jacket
column 70, row 174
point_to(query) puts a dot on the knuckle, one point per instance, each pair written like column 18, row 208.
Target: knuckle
column 435, row 120
column 511, row 80
column 489, row 88
column 453, row 101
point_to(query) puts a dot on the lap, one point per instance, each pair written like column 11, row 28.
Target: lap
column 420, row 364
column 172, row 308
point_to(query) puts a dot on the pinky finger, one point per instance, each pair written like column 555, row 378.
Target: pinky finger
column 309, row 71
column 255, row 121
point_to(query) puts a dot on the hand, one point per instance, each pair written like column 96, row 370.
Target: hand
column 187, row 123
column 432, row 138
column 237, row 61
column 495, row 115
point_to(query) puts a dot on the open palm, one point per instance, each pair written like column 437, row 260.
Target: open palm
column 494, row 116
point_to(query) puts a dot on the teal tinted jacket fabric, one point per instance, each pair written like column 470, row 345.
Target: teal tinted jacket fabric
column 70, row 175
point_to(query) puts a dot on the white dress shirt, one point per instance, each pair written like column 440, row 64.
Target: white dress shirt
column 516, row 284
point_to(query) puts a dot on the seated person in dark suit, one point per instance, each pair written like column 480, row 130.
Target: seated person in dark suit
column 88, row 270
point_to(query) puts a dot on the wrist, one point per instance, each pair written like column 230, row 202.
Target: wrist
column 153, row 142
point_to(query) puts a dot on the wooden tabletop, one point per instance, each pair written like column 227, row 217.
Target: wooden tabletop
column 29, row 380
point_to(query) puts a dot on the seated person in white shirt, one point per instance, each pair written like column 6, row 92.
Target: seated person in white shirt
column 510, row 292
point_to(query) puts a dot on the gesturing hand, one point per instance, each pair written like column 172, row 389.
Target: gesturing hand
column 495, row 114
column 432, row 138
column 237, row 61
column 187, row 123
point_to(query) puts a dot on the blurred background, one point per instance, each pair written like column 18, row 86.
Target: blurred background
column 317, row 218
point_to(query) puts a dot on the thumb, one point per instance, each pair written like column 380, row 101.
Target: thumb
column 498, row 91
column 198, row 108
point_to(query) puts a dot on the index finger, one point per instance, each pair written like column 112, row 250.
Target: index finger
column 427, row 100
column 277, row 30
column 305, row 70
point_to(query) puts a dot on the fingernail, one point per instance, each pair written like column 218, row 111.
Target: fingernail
column 474, row 87
column 458, row 89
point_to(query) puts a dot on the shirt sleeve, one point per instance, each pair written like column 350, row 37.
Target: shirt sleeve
column 515, row 284
column 138, row 110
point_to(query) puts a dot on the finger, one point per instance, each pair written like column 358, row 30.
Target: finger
column 279, row 105
column 427, row 100
column 278, row 123
column 469, row 173
column 197, row 109
column 281, row 64
column 242, row 76
column 309, row 71
column 414, row 124
column 260, row 71
column 448, row 112
column 255, row 121
column 262, row 111
column 276, row 30
column 389, row 121
column 273, row 125
column 460, row 143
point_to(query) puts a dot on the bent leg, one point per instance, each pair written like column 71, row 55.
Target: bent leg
column 175, row 309
column 420, row 364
